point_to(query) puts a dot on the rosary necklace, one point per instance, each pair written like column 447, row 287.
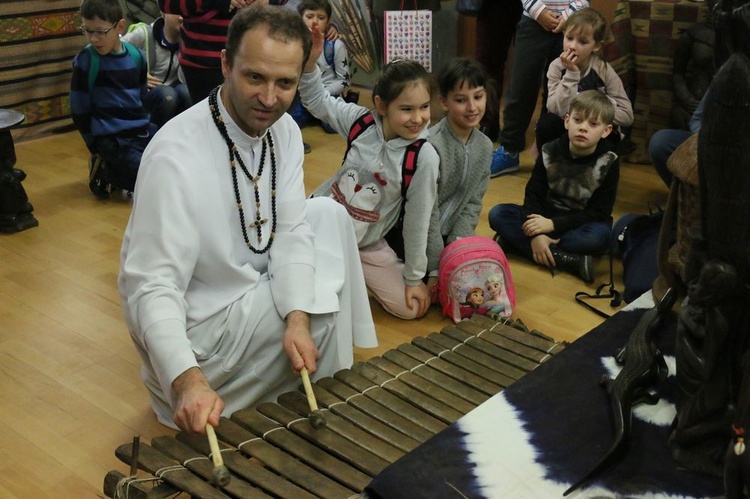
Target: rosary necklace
column 234, row 158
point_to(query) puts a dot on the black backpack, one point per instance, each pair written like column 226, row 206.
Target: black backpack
column 635, row 237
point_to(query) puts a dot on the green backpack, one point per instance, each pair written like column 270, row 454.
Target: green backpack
column 94, row 65
column 148, row 31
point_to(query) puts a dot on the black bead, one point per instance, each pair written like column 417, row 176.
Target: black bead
column 234, row 157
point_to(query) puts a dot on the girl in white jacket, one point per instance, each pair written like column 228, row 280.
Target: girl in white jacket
column 370, row 180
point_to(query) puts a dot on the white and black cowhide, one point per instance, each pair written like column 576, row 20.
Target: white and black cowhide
column 547, row 430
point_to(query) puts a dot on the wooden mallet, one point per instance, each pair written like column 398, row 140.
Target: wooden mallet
column 134, row 455
column 220, row 472
column 316, row 418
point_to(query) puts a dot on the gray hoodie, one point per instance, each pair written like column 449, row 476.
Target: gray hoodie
column 368, row 183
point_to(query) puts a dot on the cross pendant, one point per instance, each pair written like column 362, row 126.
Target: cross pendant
column 257, row 223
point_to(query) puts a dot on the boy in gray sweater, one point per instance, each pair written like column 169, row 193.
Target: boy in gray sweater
column 167, row 93
column 465, row 155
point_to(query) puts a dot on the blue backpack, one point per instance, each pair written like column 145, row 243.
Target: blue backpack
column 328, row 47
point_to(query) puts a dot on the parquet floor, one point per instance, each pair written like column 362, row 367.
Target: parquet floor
column 70, row 391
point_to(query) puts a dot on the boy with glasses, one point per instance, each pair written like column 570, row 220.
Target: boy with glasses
column 106, row 99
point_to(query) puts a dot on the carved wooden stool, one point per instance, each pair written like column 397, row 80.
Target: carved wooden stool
column 15, row 209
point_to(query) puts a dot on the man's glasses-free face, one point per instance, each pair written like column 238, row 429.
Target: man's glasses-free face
column 100, row 33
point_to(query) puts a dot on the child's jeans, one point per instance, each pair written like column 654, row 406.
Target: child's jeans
column 588, row 239
column 122, row 155
column 660, row 148
column 165, row 102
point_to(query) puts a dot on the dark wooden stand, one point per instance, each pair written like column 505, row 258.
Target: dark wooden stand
column 15, row 209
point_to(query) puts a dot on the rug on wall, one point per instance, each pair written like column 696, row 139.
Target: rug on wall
column 38, row 40
column 547, row 430
column 645, row 36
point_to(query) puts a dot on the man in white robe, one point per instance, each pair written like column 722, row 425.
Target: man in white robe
column 225, row 317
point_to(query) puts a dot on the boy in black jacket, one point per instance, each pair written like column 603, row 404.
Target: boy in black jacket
column 566, row 216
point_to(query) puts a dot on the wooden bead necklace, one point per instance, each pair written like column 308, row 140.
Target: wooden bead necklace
column 234, row 158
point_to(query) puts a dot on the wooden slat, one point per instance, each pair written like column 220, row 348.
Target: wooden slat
column 380, row 395
column 364, row 420
column 279, row 461
column 344, row 449
column 297, row 402
column 377, row 411
column 237, row 464
column 302, row 449
column 135, row 490
column 456, row 372
column 170, row 471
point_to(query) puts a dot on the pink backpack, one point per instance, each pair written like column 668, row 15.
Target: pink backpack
column 474, row 278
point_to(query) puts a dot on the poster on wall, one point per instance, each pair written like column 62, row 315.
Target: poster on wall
column 408, row 35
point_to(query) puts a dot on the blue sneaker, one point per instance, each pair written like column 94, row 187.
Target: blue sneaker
column 503, row 162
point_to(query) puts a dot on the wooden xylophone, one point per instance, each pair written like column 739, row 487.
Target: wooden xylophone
column 375, row 412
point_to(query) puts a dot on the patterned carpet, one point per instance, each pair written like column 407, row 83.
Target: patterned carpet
column 38, row 40
column 645, row 35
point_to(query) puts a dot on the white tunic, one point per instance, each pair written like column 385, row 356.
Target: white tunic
column 195, row 295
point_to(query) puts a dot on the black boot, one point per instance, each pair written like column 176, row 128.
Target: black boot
column 98, row 184
column 579, row 265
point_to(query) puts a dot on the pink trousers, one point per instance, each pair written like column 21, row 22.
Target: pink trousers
column 384, row 279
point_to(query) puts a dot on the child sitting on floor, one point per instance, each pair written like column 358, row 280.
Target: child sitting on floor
column 333, row 62
column 388, row 178
column 566, row 215
column 168, row 94
column 580, row 68
column 464, row 153
column 106, row 99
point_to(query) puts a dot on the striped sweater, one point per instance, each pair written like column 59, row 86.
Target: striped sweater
column 115, row 106
column 533, row 8
column 204, row 29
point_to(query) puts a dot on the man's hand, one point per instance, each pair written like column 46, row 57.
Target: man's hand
column 549, row 20
column 540, row 248
column 419, row 293
column 197, row 403
column 298, row 343
column 569, row 60
column 317, row 47
column 536, row 225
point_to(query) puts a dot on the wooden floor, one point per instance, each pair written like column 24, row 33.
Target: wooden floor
column 70, row 391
